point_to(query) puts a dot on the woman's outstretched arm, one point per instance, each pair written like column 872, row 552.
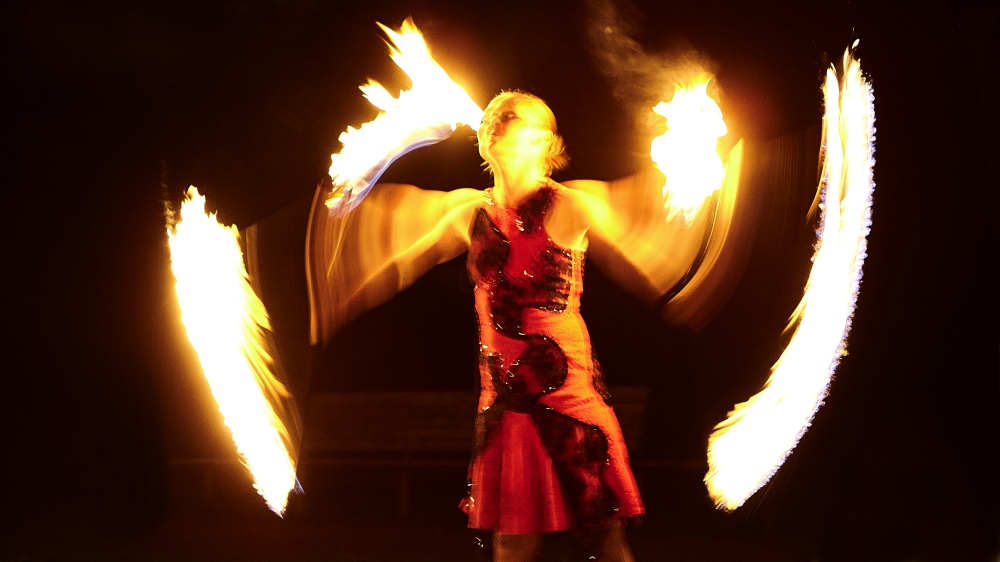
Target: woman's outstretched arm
column 683, row 265
column 358, row 260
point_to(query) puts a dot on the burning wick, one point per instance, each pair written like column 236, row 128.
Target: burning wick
column 687, row 152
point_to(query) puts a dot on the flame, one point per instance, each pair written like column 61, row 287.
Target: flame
column 687, row 152
column 225, row 322
column 428, row 112
column 747, row 448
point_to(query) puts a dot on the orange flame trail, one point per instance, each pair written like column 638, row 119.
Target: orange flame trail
column 749, row 446
column 428, row 112
column 226, row 324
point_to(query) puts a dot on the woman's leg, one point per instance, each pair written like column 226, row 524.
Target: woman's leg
column 612, row 545
column 516, row 548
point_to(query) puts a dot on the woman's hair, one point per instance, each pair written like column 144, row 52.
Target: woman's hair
column 556, row 159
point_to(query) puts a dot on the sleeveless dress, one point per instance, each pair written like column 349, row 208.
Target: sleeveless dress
column 549, row 453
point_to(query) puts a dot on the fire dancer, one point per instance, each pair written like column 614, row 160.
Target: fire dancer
column 549, row 453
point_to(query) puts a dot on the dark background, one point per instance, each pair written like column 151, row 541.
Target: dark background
column 113, row 110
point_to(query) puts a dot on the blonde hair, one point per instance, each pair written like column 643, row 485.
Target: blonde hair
column 556, row 158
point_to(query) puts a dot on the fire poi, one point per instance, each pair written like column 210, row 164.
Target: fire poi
column 696, row 193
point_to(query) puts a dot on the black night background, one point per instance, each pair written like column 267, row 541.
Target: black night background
column 114, row 109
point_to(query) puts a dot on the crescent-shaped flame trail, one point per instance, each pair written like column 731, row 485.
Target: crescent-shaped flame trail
column 748, row 447
column 427, row 113
column 226, row 324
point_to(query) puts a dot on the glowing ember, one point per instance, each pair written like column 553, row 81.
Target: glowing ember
column 758, row 435
column 428, row 112
column 686, row 152
column 225, row 322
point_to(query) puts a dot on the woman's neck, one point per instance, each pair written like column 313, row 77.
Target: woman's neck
column 512, row 185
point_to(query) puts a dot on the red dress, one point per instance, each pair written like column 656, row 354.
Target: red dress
column 549, row 452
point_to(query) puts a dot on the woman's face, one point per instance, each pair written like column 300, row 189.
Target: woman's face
column 513, row 124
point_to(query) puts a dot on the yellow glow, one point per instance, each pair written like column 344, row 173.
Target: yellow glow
column 225, row 322
column 747, row 448
column 428, row 112
column 687, row 152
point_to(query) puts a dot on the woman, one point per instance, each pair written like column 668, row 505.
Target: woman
column 549, row 454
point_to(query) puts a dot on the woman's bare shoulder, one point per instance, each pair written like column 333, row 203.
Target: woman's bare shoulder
column 582, row 193
column 593, row 187
column 585, row 202
column 459, row 209
column 464, row 195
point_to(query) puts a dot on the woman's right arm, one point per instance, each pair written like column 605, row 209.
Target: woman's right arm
column 361, row 259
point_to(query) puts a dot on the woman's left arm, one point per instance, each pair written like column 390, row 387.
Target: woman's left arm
column 681, row 265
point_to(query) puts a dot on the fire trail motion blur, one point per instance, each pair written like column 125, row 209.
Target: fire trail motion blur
column 749, row 446
column 226, row 322
column 697, row 201
column 227, row 325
